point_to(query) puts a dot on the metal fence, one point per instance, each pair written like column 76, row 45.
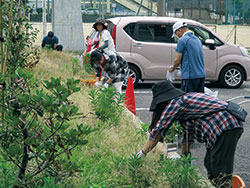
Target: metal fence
column 235, row 34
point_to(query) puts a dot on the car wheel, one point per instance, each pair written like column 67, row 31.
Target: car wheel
column 134, row 73
column 232, row 76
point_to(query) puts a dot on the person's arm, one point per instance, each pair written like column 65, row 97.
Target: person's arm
column 150, row 144
column 44, row 42
column 112, row 69
column 177, row 62
column 105, row 45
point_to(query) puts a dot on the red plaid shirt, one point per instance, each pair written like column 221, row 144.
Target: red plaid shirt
column 204, row 117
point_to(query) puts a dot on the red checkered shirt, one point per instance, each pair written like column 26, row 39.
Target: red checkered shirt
column 204, row 117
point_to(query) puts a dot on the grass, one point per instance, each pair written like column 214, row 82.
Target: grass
column 107, row 160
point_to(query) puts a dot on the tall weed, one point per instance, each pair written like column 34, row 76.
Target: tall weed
column 106, row 102
column 180, row 173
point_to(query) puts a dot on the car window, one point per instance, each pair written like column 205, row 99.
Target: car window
column 203, row 34
column 129, row 29
column 149, row 32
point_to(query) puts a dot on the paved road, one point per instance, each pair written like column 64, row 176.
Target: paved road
column 143, row 96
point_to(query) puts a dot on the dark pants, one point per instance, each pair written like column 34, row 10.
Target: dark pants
column 193, row 85
column 219, row 160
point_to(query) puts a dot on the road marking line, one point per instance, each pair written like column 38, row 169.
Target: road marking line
column 145, row 92
column 141, row 109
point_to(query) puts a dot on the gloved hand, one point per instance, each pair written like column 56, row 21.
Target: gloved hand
column 99, row 83
column 141, row 154
column 106, row 85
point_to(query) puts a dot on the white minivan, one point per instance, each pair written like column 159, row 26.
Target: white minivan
column 147, row 45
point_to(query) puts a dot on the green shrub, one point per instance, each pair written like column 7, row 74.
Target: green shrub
column 106, row 102
column 180, row 173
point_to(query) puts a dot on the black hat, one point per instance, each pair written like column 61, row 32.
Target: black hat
column 164, row 91
column 95, row 56
column 100, row 21
column 50, row 34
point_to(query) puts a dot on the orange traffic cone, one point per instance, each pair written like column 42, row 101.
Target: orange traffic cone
column 130, row 96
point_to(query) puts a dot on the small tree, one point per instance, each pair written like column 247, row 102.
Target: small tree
column 36, row 126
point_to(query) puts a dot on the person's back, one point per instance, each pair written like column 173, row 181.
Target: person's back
column 192, row 64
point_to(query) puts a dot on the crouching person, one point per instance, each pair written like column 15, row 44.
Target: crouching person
column 203, row 118
column 112, row 66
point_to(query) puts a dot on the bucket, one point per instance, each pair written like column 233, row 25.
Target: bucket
column 238, row 182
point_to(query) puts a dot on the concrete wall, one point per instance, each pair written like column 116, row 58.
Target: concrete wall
column 68, row 24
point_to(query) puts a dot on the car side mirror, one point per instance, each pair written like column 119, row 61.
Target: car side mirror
column 210, row 43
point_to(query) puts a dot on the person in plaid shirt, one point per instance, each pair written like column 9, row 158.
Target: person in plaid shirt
column 112, row 66
column 202, row 117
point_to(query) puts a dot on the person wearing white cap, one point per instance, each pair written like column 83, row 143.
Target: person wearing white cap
column 189, row 55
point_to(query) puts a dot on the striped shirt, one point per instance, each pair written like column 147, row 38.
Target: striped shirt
column 116, row 67
column 204, row 117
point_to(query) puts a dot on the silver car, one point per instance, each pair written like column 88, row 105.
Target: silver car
column 146, row 43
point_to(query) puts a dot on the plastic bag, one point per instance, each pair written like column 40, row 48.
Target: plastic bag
column 170, row 76
column 210, row 92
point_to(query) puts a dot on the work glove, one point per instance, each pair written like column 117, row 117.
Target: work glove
column 99, row 83
column 141, row 154
column 106, row 85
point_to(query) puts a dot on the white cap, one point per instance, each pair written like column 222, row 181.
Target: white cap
column 178, row 25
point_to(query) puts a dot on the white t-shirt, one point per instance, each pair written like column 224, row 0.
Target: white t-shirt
column 105, row 35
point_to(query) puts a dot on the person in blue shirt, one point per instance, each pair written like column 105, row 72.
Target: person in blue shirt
column 189, row 55
column 51, row 41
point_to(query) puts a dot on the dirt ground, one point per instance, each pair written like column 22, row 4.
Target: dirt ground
column 226, row 32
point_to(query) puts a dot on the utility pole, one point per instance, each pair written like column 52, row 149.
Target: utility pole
column 53, row 15
column 234, row 11
column 102, row 9
column 68, row 24
column 244, row 8
column 44, row 19
column 161, row 8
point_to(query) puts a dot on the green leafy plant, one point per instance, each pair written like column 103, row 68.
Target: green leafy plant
column 180, row 173
column 37, row 133
column 173, row 133
column 6, row 174
column 106, row 102
column 139, row 178
column 38, row 128
column 87, row 64
column 143, row 129
column 76, row 68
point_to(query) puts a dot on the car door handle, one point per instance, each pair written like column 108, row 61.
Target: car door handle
column 138, row 45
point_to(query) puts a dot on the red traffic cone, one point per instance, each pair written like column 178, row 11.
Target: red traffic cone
column 130, row 96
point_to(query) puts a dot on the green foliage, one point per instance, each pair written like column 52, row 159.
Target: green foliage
column 143, row 129
column 6, row 174
column 38, row 130
column 76, row 68
column 21, row 36
column 174, row 132
column 180, row 173
column 87, row 64
column 106, row 102
column 139, row 178
column 37, row 127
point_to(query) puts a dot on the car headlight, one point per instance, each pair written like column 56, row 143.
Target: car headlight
column 244, row 51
